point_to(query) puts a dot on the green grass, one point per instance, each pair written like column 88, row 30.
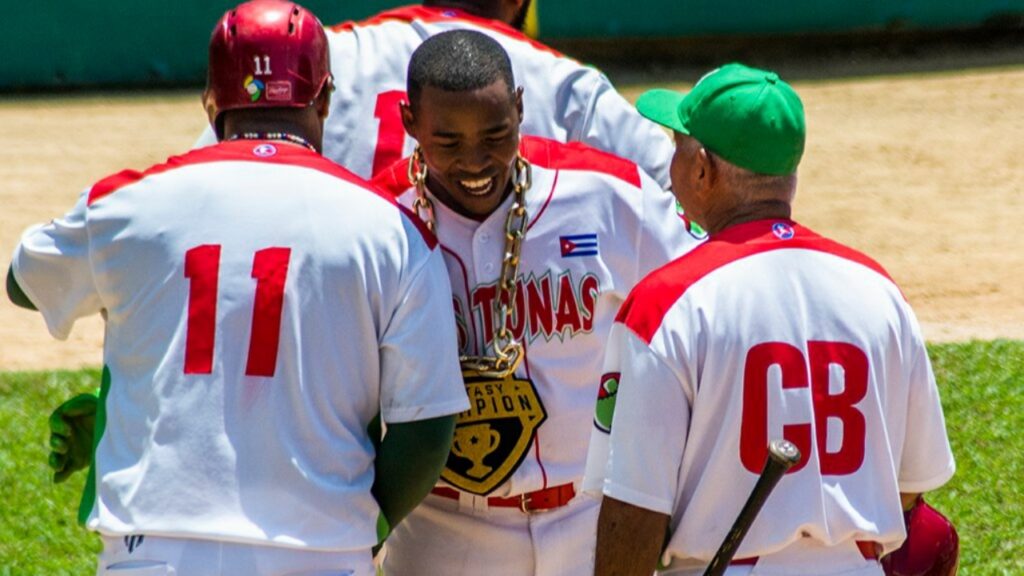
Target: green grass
column 982, row 385
column 39, row 533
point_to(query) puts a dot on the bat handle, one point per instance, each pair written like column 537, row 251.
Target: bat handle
column 782, row 455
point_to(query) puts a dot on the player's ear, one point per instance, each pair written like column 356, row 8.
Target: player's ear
column 519, row 103
column 704, row 167
column 324, row 104
column 705, row 173
column 323, row 100
column 211, row 110
column 408, row 118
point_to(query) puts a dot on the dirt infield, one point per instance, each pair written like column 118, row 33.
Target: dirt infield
column 924, row 172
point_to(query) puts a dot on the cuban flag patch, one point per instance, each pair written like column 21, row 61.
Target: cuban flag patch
column 578, row 245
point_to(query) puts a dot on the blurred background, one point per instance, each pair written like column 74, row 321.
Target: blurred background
column 162, row 44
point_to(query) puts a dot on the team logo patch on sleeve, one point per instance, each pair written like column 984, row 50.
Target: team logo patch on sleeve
column 606, row 401
column 494, row 435
column 578, row 245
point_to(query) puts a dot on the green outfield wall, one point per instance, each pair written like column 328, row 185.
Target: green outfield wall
column 70, row 43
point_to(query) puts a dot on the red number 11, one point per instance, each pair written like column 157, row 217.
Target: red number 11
column 202, row 268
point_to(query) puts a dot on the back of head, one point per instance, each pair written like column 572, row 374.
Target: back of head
column 265, row 54
column 458, row 61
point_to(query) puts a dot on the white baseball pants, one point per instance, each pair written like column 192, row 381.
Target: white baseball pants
column 463, row 538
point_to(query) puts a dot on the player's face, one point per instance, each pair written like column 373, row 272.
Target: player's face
column 469, row 141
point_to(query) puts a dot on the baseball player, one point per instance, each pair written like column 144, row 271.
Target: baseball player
column 564, row 100
column 543, row 241
column 767, row 330
column 262, row 305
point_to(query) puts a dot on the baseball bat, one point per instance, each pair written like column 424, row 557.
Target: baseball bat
column 782, row 455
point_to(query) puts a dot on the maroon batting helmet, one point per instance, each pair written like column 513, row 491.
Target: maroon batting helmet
column 932, row 547
column 266, row 54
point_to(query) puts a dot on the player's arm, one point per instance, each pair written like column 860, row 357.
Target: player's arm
column 408, row 464
column 16, row 294
column 421, row 388
column 641, row 475
column 614, row 125
column 52, row 270
column 926, row 463
column 630, row 539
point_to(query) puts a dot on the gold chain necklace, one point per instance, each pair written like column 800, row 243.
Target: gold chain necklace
column 508, row 353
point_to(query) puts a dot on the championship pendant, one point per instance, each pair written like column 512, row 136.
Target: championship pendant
column 494, row 435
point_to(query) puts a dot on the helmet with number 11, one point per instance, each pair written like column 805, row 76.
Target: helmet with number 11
column 265, row 54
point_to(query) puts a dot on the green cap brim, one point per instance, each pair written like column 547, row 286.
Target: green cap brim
column 662, row 106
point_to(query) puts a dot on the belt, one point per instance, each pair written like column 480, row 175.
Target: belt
column 546, row 499
column 868, row 549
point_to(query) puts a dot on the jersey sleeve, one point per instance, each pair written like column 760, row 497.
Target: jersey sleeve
column 52, row 267
column 927, row 461
column 607, row 393
column 612, row 124
column 648, row 427
column 664, row 235
column 420, row 375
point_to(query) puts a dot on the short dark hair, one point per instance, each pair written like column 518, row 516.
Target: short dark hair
column 458, row 61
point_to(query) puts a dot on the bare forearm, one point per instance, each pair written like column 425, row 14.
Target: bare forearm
column 629, row 539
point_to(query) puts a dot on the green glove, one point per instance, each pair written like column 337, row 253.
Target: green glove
column 71, row 435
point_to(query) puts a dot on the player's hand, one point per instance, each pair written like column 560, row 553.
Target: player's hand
column 71, row 435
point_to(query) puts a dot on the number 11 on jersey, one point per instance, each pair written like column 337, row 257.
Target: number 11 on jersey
column 202, row 268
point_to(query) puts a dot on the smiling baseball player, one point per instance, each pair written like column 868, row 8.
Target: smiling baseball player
column 262, row 306
column 564, row 100
column 542, row 241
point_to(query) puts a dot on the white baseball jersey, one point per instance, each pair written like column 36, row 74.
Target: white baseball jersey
column 262, row 304
column 769, row 331
column 563, row 99
column 597, row 224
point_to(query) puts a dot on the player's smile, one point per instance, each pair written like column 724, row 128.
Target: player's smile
column 469, row 141
column 480, row 187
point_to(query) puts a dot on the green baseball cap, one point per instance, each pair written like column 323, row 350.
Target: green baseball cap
column 749, row 117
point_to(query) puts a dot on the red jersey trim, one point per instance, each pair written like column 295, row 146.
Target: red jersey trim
column 394, row 180
column 431, row 15
column 646, row 306
column 555, row 155
column 544, row 207
column 244, row 151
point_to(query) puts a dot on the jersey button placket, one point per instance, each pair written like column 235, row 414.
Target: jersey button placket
column 484, row 258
